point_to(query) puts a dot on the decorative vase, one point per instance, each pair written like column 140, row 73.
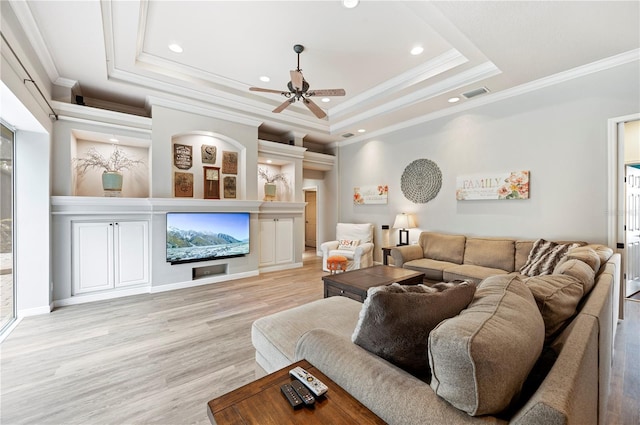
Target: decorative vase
column 112, row 183
column 269, row 192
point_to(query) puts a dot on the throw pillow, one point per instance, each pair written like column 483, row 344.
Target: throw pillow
column 480, row 358
column 544, row 257
column 395, row 320
column 348, row 244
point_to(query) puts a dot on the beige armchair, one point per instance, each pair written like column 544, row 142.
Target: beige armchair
column 353, row 241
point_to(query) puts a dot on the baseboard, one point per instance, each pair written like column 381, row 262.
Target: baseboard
column 200, row 282
column 45, row 309
column 280, row 267
column 88, row 298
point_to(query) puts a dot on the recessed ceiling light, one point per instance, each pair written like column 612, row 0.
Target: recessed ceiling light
column 453, row 99
column 265, row 79
column 362, row 130
column 326, row 99
column 175, row 48
column 113, row 139
column 417, row 50
column 350, row 4
column 269, row 161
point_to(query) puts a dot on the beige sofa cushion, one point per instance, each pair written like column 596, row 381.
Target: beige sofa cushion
column 443, row 247
column 480, row 358
column 432, row 269
column 468, row 272
column 490, row 252
column 557, row 297
column 395, row 320
column 523, row 248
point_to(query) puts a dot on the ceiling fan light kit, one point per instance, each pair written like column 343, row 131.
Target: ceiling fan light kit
column 299, row 90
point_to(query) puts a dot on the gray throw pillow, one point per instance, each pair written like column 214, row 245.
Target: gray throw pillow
column 395, row 320
column 544, row 257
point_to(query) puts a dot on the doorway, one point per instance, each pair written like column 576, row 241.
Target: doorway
column 7, row 260
column 631, row 141
column 310, row 219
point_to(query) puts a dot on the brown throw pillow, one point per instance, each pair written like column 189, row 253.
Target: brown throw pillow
column 395, row 320
column 544, row 257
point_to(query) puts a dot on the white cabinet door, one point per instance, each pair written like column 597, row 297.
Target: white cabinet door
column 92, row 257
column 131, row 252
column 109, row 254
column 284, row 240
column 276, row 241
column 267, row 242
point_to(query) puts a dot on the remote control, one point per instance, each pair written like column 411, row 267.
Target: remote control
column 291, row 396
column 316, row 386
column 303, row 392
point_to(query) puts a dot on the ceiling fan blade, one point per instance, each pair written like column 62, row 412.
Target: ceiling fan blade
column 327, row 92
column 314, row 108
column 284, row 105
column 266, row 90
column 296, row 79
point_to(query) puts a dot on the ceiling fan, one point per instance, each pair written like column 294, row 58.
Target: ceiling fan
column 299, row 90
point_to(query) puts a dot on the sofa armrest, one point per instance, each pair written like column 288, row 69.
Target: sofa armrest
column 325, row 247
column 363, row 249
column 402, row 254
column 391, row 393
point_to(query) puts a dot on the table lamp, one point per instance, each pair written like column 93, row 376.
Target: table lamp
column 404, row 222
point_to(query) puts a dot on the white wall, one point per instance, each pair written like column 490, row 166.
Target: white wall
column 559, row 133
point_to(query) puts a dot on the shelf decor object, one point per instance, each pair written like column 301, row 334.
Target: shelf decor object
column 208, row 153
column 211, row 182
column 509, row 185
column 403, row 222
column 229, row 184
column 112, row 168
column 183, row 185
column 270, row 188
column 229, row 162
column 421, row 181
column 182, row 156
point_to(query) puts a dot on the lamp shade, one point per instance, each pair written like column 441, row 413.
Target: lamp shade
column 404, row 221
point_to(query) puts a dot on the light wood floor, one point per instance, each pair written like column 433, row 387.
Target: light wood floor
column 159, row 358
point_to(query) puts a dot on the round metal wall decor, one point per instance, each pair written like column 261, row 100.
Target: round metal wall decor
column 421, row 181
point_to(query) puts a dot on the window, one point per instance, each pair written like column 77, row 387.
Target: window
column 7, row 281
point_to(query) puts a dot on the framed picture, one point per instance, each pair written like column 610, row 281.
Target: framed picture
column 211, row 182
column 489, row 186
column 182, row 156
column 229, row 162
column 183, row 185
column 229, row 187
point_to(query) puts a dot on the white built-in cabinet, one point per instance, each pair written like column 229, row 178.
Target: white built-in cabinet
column 109, row 254
column 276, row 241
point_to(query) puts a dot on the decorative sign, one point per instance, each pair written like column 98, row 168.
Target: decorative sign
column 229, row 184
column 421, row 181
column 229, row 162
column 182, row 156
column 208, row 154
column 510, row 185
column 370, row 194
column 183, row 185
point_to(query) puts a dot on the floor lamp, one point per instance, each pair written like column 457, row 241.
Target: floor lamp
column 404, row 222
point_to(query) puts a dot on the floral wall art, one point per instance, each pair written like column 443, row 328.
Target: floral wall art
column 509, row 185
column 370, row 194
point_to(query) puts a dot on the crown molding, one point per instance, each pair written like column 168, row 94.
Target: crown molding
column 581, row 71
column 208, row 111
column 30, row 27
column 438, row 65
column 470, row 76
column 102, row 117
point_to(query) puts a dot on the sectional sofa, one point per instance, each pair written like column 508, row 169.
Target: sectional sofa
column 506, row 358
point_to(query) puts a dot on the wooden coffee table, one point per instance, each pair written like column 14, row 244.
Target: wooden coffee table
column 261, row 402
column 354, row 284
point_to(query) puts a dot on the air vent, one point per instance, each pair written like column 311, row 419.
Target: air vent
column 476, row 92
column 346, row 135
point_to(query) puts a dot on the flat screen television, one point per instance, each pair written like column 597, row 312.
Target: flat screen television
column 202, row 236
